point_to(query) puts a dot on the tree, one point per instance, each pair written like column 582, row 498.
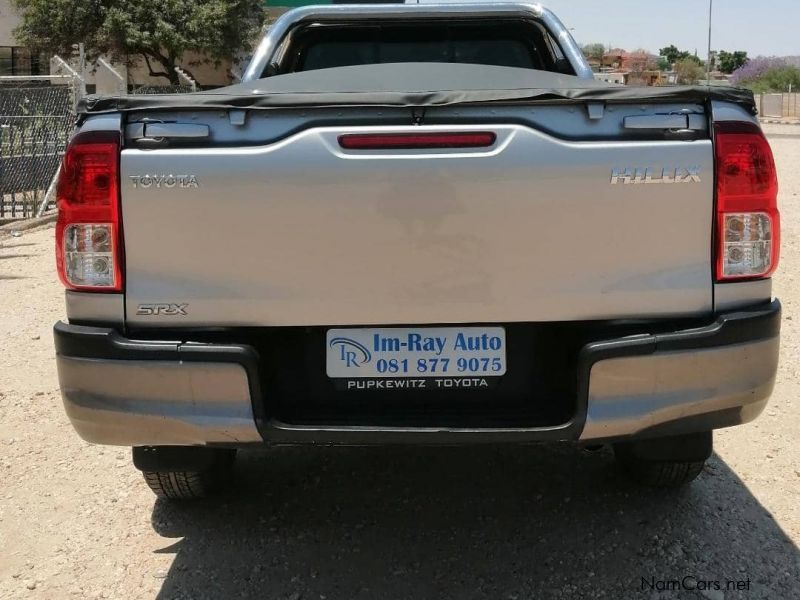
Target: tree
column 765, row 75
column 639, row 61
column 594, row 52
column 782, row 79
column 159, row 32
column 694, row 58
column 673, row 55
column 756, row 69
column 55, row 25
column 689, row 72
column 728, row 62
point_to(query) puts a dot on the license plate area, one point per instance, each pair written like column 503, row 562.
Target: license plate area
column 538, row 388
column 409, row 353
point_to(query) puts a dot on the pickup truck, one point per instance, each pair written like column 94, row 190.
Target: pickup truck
column 422, row 224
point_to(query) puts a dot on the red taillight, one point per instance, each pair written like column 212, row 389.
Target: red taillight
column 414, row 141
column 748, row 221
column 88, row 236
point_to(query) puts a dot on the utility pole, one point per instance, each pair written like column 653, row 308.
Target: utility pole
column 82, row 70
column 708, row 62
column 81, row 67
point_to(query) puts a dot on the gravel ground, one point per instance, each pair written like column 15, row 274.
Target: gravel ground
column 76, row 520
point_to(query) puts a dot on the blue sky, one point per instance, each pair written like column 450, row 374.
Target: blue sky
column 769, row 27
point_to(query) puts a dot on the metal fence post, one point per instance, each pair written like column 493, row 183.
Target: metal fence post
column 48, row 195
column 121, row 82
column 79, row 85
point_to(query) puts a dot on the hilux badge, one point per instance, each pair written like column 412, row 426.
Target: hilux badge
column 650, row 176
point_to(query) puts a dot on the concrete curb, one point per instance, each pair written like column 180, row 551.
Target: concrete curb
column 778, row 122
column 27, row 224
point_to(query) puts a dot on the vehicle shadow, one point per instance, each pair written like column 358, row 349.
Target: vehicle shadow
column 14, row 244
column 7, row 256
column 477, row 522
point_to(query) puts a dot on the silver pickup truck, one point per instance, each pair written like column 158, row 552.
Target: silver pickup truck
column 420, row 224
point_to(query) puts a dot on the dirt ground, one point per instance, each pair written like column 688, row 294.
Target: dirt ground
column 77, row 521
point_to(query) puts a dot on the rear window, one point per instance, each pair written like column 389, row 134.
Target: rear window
column 507, row 44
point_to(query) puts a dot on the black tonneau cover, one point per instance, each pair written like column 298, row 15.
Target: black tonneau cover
column 415, row 85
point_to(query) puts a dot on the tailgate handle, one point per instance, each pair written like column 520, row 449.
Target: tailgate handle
column 156, row 132
column 680, row 122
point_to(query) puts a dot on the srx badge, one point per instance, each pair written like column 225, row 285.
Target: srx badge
column 166, row 310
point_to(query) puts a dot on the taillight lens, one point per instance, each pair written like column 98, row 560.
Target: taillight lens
column 748, row 221
column 88, row 236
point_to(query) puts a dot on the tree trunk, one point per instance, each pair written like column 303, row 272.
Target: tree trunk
column 168, row 64
column 173, row 75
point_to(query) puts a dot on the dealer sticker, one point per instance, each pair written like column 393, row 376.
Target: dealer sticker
column 396, row 353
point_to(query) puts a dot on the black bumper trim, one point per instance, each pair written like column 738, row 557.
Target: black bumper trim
column 760, row 323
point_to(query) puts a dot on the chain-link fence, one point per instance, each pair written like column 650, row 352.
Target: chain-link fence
column 162, row 89
column 36, row 118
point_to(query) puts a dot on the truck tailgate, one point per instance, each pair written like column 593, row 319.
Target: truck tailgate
column 304, row 232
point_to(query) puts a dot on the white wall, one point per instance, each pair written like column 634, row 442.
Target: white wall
column 205, row 74
column 135, row 73
column 8, row 21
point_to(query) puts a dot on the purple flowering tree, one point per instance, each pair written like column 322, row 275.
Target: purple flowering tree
column 755, row 69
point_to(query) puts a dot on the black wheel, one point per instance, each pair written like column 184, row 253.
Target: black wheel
column 665, row 462
column 192, row 479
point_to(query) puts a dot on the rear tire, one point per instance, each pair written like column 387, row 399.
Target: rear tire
column 665, row 462
column 192, row 483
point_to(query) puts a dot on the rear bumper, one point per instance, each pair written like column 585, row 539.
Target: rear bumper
column 682, row 382
column 119, row 391
column 122, row 392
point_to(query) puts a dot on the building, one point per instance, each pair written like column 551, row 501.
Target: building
column 613, row 59
column 612, row 77
column 14, row 59
column 647, row 78
column 638, row 68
